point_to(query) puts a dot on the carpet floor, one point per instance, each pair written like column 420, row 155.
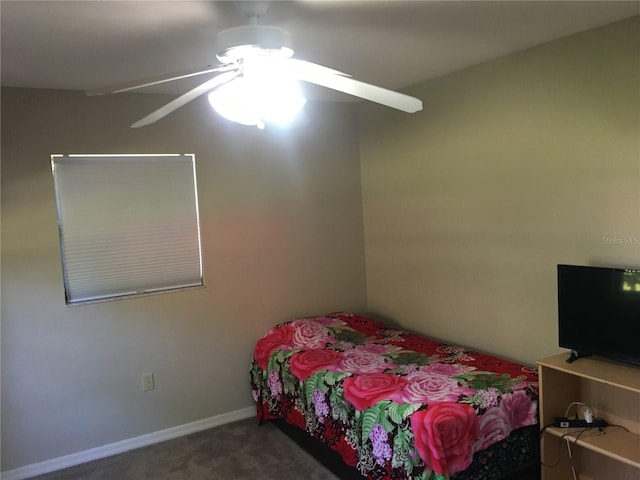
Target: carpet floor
column 236, row 451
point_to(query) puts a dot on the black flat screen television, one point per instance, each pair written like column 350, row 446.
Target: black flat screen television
column 599, row 312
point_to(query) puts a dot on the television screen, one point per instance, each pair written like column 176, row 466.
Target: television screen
column 599, row 312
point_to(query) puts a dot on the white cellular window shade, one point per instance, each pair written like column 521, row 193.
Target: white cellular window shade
column 128, row 224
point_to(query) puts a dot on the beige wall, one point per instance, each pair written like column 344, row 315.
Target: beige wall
column 512, row 167
column 282, row 230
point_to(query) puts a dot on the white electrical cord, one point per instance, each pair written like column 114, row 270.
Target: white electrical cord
column 588, row 411
column 588, row 417
column 573, row 470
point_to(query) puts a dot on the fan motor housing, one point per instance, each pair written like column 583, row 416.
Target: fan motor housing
column 237, row 43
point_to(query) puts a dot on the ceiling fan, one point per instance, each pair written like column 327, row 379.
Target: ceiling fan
column 256, row 79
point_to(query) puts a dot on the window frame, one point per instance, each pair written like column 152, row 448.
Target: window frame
column 143, row 260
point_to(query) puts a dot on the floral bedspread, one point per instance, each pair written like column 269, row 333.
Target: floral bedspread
column 393, row 404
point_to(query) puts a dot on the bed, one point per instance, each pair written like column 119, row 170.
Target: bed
column 393, row 405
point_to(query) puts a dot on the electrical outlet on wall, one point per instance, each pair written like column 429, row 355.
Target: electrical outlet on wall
column 147, row 381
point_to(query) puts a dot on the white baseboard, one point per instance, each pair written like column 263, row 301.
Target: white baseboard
column 125, row 445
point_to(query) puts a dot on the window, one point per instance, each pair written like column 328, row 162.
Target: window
column 128, row 224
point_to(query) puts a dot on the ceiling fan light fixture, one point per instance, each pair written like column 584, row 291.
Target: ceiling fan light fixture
column 238, row 43
column 283, row 103
column 252, row 100
column 233, row 101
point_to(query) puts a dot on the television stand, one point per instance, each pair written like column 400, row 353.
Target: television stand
column 612, row 390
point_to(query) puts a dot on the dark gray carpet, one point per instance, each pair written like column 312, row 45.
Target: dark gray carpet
column 236, row 451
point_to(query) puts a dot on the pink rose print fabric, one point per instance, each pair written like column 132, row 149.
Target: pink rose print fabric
column 444, row 434
column 367, row 389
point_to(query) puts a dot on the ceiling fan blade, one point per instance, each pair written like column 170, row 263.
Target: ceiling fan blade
column 319, row 75
column 186, row 98
column 147, row 82
column 310, row 68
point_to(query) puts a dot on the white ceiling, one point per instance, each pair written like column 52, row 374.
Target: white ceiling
column 87, row 44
